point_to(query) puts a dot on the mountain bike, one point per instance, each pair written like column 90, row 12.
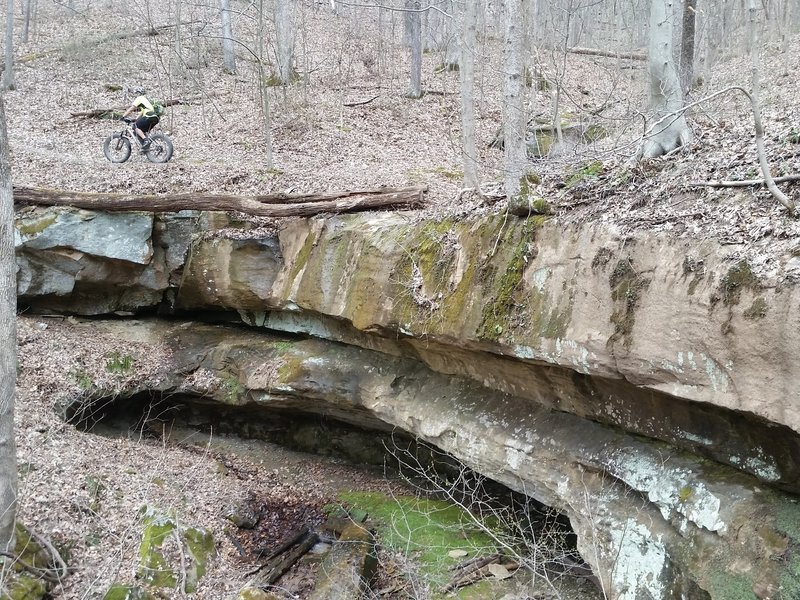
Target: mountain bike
column 118, row 146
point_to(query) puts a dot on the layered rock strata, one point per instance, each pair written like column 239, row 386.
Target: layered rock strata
column 650, row 362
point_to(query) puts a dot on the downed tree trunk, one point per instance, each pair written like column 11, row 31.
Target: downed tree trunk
column 270, row 572
column 608, row 53
column 112, row 113
column 267, row 205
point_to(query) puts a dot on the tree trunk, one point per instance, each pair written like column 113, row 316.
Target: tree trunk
column 8, row 345
column 754, row 33
column 414, row 28
column 8, row 71
column 452, row 34
column 469, row 47
column 268, row 205
column 26, row 25
column 284, row 32
column 176, row 64
column 669, row 129
column 228, row 42
column 687, row 44
column 514, row 118
column 264, row 88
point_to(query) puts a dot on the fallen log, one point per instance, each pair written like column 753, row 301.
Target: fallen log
column 267, row 205
column 720, row 183
column 270, row 572
column 115, row 113
column 608, row 53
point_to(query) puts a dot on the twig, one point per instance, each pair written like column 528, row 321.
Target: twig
column 38, row 571
column 54, row 554
column 360, row 102
column 722, row 183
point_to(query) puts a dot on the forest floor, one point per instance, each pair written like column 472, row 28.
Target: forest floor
column 81, row 59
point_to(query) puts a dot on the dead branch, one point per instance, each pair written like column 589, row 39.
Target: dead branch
column 769, row 181
column 723, row 183
column 270, row 572
column 267, row 205
column 608, row 53
column 360, row 102
column 293, row 539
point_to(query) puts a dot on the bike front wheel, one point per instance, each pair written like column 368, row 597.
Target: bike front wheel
column 160, row 150
column 117, row 148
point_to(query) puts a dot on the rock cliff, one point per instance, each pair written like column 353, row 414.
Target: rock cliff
column 641, row 384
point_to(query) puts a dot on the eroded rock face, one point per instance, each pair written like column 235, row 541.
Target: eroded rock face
column 82, row 262
column 652, row 520
column 613, row 377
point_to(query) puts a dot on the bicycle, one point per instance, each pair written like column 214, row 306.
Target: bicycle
column 118, row 146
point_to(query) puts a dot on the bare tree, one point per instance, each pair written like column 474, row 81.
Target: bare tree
column 264, row 87
column 8, row 345
column 8, row 72
column 228, row 43
column 666, row 97
column 285, row 34
column 468, row 45
column 26, row 25
column 687, row 43
column 414, row 30
column 514, row 117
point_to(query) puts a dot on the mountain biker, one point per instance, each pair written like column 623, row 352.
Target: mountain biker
column 146, row 120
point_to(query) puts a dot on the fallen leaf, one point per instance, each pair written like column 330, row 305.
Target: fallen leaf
column 457, row 553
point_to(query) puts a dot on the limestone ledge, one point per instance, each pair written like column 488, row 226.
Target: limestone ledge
column 675, row 339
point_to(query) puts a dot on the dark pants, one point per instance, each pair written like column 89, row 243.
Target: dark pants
column 145, row 124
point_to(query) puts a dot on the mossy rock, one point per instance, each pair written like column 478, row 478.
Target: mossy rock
column 127, row 592
column 425, row 528
column 19, row 584
column 158, row 566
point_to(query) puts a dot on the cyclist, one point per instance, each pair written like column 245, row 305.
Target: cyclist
column 147, row 117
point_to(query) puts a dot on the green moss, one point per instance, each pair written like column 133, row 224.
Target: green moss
column 602, row 258
column 427, row 529
column 127, row 592
column 234, row 389
column 757, row 310
column 588, row 170
column 21, row 585
column 119, row 364
column 685, row 493
column 200, row 544
column 153, row 567
column 30, row 227
column 693, row 268
column 626, row 291
column 83, row 379
column 595, row 132
column 301, row 260
column 787, row 519
column 722, row 584
column 738, row 278
column 544, row 141
column 497, row 311
column 24, row 587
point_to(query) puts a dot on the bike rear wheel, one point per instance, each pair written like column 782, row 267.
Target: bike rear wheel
column 160, row 150
column 117, row 148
